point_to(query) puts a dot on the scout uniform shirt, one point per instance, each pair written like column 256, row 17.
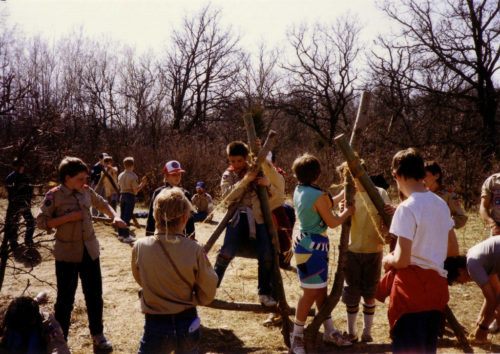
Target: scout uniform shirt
column 451, row 198
column 72, row 236
column 202, row 203
column 127, row 182
column 491, row 192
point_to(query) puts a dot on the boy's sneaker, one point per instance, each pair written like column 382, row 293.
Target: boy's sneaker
column 101, row 343
column 336, row 337
column 267, row 300
column 493, row 328
column 353, row 338
column 366, row 338
column 128, row 239
column 121, row 238
column 297, row 345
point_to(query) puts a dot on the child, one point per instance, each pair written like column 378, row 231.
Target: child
column 129, row 187
column 434, row 182
column 76, row 251
column 20, row 193
column 247, row 221
column 311, row 248
column 27, row 330
column 482, row 266
column 175, row 276
column 202, row 201
column 489, row 208
column 363, row 259
column 172, row 175
column 110, row 181
column 417, row 282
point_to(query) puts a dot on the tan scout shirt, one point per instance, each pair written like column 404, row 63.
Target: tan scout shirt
column 250, row 198
column 109, row 190
column 71, row 236
column 128, row 182
column 491, row 192
column 163, row 290
column 457, row 213
column 202, row 202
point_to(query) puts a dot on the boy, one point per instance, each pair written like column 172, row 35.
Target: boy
column 172, row 175
column 20, row 193
column 76, row 251
column 95, row 176
column 202, row 201
column 311, row 248
column 129, row 187
column 417, row 282
column 482, row 266
column 110, row 181
column 169, row 297
column 363, row 259
column 434, row 182
column 489, row 208
column 246, row 222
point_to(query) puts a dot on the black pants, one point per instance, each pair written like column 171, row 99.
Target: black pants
column 14, row 211
column 417, row 332
column 67, row 280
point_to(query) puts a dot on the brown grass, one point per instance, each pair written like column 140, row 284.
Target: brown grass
column 225, row 331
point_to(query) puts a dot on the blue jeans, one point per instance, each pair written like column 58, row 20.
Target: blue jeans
column 200, row 216
column 232, row 241
column 416, row 332
column 170, row 335
column 127, row 204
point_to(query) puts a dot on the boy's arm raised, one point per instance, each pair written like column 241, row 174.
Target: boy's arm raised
column 322, row 206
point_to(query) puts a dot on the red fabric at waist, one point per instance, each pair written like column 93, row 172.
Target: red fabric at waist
column 411, row 290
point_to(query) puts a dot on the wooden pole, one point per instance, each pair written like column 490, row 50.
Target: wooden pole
column 358, row 172
column 250, row 307
column 362, row 116
column 222, row 225
column 283, row 307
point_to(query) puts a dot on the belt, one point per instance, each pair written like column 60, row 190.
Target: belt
column 189, row 313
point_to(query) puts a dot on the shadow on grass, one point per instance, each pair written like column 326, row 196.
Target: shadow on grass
column 222, row 341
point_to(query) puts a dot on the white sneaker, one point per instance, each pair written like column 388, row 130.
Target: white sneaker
column 297, row 345
column 336, row 337
column 128, row 239
column 493, row 328
column 267, row 300
column 101, row 343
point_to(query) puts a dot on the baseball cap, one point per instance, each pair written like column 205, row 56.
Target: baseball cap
column 172, row 167
column 200, row 185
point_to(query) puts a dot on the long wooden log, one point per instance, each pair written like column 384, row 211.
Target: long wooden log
column 250, row 307
column 283, row 307
column 358, row 172
column 362, row 116
column 311, row 331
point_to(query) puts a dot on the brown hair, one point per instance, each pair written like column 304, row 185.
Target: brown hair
column 306, row 168
column 71, row 166
column 409, row 164
column 169, row 206
column 237, row 148
column 128, row 161
column 434, row 168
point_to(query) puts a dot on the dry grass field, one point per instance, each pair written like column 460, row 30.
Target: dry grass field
column 222, row 331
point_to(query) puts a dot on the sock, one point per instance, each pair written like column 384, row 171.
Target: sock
column 352, row 314
column 298, row 328
column 368, row 314
column 328, row 325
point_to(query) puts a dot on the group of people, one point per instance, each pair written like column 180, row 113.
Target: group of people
column 416, row 278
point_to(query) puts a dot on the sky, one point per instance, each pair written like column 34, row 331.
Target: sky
column 148, row 23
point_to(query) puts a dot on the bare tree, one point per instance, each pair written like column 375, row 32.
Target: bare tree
column 448, row 50
column 321, row 78
column 200, row 69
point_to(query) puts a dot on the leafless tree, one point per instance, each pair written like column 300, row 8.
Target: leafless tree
column 321, row 77
column 200, row 69
column 447, row 50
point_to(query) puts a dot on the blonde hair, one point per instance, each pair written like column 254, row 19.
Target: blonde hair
column 168, row 208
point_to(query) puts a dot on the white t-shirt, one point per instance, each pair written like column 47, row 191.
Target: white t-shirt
column 425, row 219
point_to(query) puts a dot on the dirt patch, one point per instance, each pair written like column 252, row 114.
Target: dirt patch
column 222, row 331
